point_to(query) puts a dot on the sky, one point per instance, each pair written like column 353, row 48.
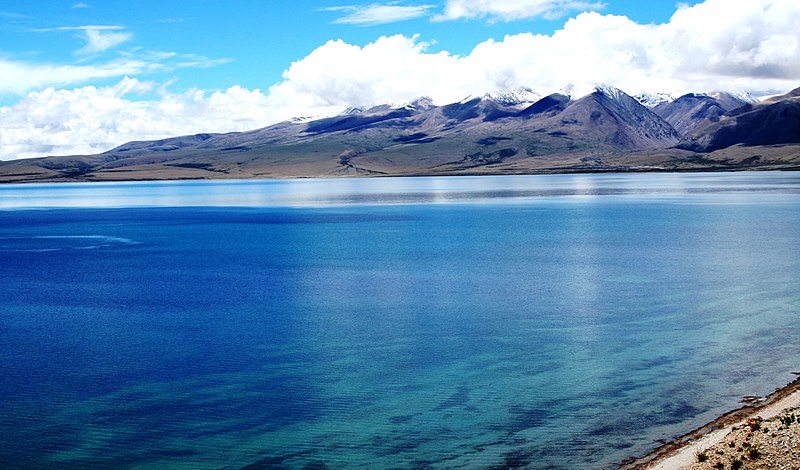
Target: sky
column 81, row 77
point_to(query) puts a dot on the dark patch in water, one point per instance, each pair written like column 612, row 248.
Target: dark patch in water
column 679, row 412
column 199, row 215
column 605, row 430
column 400, row 419
column 523, row 419
column 422, row 465
column 396, row 444
column 655, row 362
column 516, row 459
column 621, row 445
column 457, row 399
column 176, row 453
column 275, row 462
column 316, row 465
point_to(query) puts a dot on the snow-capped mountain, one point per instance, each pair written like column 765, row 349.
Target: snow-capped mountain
column 775, row 121
column 694, row 110
column 352, row 110
column 621, row 119
column 422, row 103
column 740, row 96
column 516, row 97
column 514, row 131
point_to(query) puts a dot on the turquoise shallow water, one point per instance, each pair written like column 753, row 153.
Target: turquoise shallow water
column 529, row 322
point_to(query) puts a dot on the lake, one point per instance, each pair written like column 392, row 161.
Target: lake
column 564, row 321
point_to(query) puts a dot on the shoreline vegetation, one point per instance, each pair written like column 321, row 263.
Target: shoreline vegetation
column 764, row 430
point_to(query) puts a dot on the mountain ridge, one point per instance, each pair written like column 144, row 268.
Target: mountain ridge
column 692, row 111
column 497, row 133
column 775, row 121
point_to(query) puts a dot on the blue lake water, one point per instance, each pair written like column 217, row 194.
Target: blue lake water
column 509, row 322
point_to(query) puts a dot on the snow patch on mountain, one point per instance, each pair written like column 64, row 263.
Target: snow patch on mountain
column 516, row 98
column 423, row 103
column 651, row 100
column 353, row 110
column 740, row 95
column 651, row 130
column 522, row 96
column 303, row 119
column 612, row 92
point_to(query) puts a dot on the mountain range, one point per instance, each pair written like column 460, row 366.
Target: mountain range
column 504, row 133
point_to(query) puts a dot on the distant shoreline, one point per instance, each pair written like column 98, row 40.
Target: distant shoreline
column 682, row 451
column 111, row 178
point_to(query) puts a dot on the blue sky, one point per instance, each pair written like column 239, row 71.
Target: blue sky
column 251, row 42
column 83, row 76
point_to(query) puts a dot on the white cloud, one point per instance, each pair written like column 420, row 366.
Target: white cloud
column 13, row 16
column 394, row 68
column 375, row 14
column 90, row 119
column 80, row 5
column 511, row 10
column 98, row 38
column 98, row 41
column 718, row 44
column 728, row 44
column 19, row 77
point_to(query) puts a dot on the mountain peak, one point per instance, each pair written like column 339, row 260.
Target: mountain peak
column 515, row 97
column 693, row 111
column 742, row 96
column 611, row 92
column 347, row 112
column 489, row 134
column 423, row 103
column 773, row 122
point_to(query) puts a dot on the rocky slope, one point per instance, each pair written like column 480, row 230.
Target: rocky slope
column 773, row 122
column 690, row 111
column 514, row 132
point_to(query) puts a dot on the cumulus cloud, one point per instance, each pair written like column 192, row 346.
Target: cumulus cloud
column 390, row 69
column 510, row 10
column 375, row 14
column 94, row 119
column 718, row 44
column 727, row 44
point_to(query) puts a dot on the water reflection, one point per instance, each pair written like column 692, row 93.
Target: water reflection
column 419, row 190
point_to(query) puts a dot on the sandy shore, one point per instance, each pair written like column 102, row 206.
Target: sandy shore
column 757, row 425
